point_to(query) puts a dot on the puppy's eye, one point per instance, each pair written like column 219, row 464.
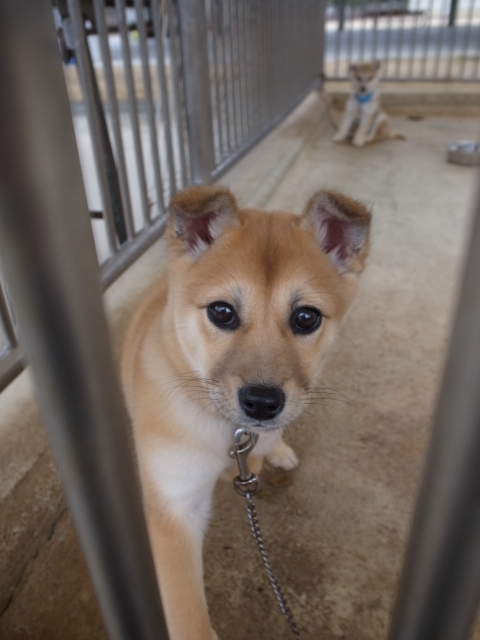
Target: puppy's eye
column 305, row 320
column 223, row 315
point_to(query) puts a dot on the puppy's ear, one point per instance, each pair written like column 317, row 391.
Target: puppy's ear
column 377, row 64
column 352, row 68
column 198, row 216
column 342, row 228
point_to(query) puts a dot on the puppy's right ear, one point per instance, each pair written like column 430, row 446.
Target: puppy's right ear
column 352, row 68
column 198, row 216
column 341, row 227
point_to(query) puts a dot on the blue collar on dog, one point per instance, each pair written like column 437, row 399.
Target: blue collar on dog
column 365, row 98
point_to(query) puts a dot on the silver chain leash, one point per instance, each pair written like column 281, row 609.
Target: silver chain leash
column 247, row 485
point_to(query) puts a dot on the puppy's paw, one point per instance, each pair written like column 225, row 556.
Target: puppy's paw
column 358, row 141
column 338, row 137
column 282, row 456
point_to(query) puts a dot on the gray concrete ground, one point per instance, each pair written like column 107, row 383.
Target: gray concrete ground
column 337, row 526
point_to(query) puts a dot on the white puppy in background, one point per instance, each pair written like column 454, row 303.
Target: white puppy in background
column 364, row 120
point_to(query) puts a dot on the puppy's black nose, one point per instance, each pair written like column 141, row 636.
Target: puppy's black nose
column 261, row 402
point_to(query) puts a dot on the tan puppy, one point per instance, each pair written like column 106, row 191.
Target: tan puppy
column 234, row 335
column 364, row 119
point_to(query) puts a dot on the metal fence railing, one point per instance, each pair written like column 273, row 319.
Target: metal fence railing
column 258, row 68
column 164, row 93
column 414, row 39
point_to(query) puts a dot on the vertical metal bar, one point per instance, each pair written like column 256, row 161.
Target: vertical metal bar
column 427, row 39
column 452, row 16
column 147, row 83
column 341, row 15
column 414, row 43
column 230, row 139
column 477, row 61
column 133, row 108
column 453, row 32
column 6, row 320
column 217, row 78
column 236, row 137
column 322, row 39
column 363, row 30
column 94, row 117
column 53, row 275
column 196, row 79
column 241, row 75
column 247, row 66
column 236, row 57
column 388, row 40
column 440, row 587
column 269, row 59
column 443, row 30
column 164, row 108
column 257, row 66
column 461, row 73
column 176, row 92
column 398, row 71
column 99, row 8
column 349, row 45
column 338, row 38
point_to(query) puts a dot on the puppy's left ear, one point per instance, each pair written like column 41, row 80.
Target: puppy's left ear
column 377, row 64
column 342, row 228
column 198, row 216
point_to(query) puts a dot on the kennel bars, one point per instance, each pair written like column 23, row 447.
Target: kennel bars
column 429, row 40
column 173, row 96
column 48, row 255
column 50, row 263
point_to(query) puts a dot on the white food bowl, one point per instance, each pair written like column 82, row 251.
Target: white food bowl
column 464, row 152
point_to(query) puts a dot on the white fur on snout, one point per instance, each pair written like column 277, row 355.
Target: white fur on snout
column 282, row 456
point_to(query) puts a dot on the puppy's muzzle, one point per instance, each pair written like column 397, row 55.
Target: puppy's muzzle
column 261, row 402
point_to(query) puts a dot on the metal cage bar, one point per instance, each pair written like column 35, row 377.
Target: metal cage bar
column 133, row 108
column 53, row 277
column 164, row 106
column 152, row 125
column 96, row 118
column 99, row 8
column 193, row 26
column 440, row 588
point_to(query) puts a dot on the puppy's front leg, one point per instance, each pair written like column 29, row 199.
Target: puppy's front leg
column 349, row 117
column 366, row 121
column 177, row 551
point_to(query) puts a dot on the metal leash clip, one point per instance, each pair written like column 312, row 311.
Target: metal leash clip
column 246, row 483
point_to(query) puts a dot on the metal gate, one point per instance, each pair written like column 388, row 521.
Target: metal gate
column 48, row 252
column 164, row 94
column 413, row 39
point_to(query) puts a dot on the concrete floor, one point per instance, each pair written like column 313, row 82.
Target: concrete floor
column 336, row 527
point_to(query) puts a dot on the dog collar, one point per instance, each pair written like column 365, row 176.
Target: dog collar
column 365, row 98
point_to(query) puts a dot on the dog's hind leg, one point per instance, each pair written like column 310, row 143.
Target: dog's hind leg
column 381, row 130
